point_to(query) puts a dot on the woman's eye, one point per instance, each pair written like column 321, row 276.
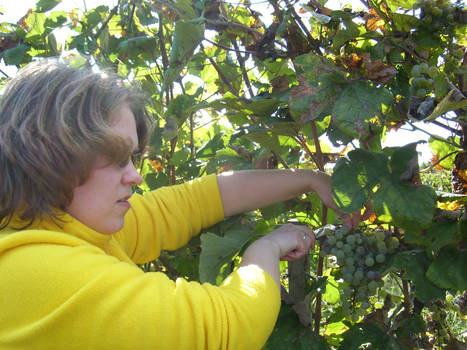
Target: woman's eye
column 135, row 158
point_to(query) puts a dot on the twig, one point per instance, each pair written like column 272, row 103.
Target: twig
column 280, row 159
column 221, row 74
column 437, row 162
column 414, row 127
column 104, row 25
column 235, row 25
column 405, row 290
column 241, row 61
column 447, row 127
column 6, row 75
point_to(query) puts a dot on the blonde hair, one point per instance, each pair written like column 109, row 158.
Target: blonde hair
column 54, row 120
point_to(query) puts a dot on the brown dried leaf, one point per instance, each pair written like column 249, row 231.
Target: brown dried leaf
column 373, row 20
column 377, row 70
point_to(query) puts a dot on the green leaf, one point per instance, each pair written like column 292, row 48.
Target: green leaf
column 442, row 149
column 357, row 105
column 217, row 251
column 363, row 333
column 178, row 108
column 15, row 55
column 441, row 234
column 396, row 4
column 348, row 32
column 448, row 271
column 156, row 180
column 332, row 295
column 186, row 38
column 355, row 177
column 414, row 265
column 291, row 334
column 404, row 162
column 46, row 5
column 36, row 21
column 410, row 207
column 446, row 105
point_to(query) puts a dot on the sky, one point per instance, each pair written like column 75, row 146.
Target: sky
column 13, row 11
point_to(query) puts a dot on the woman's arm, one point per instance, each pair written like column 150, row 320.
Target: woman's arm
column 252, row 189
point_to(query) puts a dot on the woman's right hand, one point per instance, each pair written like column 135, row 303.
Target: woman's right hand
column 293, row 241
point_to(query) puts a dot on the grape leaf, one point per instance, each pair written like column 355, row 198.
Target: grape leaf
column 404, row 162
column 186, row 38
column 414, row 265
column 363, row 170
column 15, row 55
column 363, row 333
column 448, row 270
column 46, row 5
column 359, row 103
column 410, row 207
column 217, row 251
column 292, row 334
column 442, row 149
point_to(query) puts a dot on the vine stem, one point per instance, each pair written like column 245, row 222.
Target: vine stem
column 405, row 290
column 221, row 74
column 320, row 164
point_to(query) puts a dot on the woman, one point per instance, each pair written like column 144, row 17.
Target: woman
column 72, row 232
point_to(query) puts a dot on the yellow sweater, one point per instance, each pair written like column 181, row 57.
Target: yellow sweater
column 70, row 287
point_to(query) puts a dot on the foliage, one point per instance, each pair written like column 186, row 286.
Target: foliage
column 230, row 89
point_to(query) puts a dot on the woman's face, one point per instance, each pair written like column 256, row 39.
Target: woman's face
column 102, row 201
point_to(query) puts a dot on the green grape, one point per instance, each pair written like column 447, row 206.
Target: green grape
column 347, row 276
column 421, row 93
column 355, row 317
column 350, row 239
column 380, row 258
column 339, row 244
column 361, row 250
column 339, row 235
column 433, row 72
column 424, row 67
column 379, row 236
column 359, row 240
column 415, row 71
column 372, row 287
column 436, row 11
column 351, row 268
column 427, row 83
column 417, row 82
column 332, row 240
column 347, row 248
column 349, row 261
column 347, row 292
column 371, row 275
column 361, row 295
column 339, row 254
column 393, row 242
column 381, row 246
column 358, row 275
column 369, row 261
column 365, row 305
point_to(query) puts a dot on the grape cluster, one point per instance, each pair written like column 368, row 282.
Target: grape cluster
column 360, row 257
column 436, row 14
column 421, row 81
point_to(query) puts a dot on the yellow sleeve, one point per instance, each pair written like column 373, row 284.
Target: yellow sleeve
column 81, row 298
column 167, row 218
